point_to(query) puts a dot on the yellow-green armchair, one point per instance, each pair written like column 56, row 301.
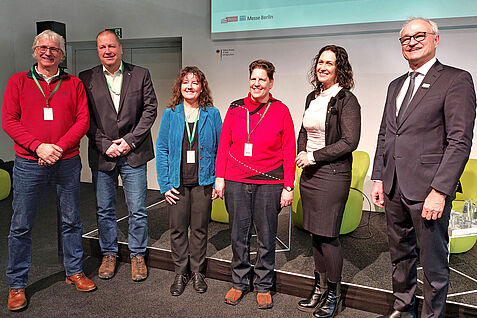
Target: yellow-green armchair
column 468, row 180
column 354, row 205
column 5, row 184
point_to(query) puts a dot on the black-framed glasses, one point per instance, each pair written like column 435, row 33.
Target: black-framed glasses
column 43, row 49
column 419, row 37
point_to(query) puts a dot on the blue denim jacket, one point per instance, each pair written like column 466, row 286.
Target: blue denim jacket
column 169, row 146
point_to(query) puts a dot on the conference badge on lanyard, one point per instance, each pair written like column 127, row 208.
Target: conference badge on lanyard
column 191, row 153
column 248, row 146
column 248, row 150
column 47, row 111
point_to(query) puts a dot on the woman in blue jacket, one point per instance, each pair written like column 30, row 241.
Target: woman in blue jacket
column 186, row 149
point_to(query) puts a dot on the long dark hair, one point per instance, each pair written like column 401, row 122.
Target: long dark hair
column 344, row 72
column 205, row 98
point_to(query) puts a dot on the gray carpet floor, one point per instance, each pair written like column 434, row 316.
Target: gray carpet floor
column 50, row 296
column 366, row 255
column 365, row 251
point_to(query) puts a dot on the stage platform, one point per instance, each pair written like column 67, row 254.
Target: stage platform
column 366, row 273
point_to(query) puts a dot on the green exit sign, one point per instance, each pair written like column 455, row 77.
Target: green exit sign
column 118, row 31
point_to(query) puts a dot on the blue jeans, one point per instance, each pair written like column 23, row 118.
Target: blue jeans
column 258, row 205
column 135, row 190
column 29, row 181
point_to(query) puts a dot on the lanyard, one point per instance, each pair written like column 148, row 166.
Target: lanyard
column 112, row 90
column 41, row 90
column 191, row 138
column 248, row 121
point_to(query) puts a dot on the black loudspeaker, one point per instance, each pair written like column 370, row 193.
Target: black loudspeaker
column 57, row 27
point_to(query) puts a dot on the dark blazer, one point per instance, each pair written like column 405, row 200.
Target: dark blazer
column 342, row 132
column 430, row 147
column 137, row 113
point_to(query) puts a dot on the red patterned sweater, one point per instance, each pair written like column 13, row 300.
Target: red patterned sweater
column 274, row 149
column 23, row 118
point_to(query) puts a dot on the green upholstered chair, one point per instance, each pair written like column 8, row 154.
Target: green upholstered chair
column 297, row 210
column 354, row 205
column 468, row 181
column 5, row 184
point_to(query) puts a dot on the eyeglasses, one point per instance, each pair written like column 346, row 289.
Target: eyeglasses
column 43, row 49
column 419, row 37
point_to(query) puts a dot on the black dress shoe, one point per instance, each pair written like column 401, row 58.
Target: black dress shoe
column 199, row 283
column 179, row 284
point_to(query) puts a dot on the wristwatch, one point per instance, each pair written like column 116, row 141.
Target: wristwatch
column 288, row 188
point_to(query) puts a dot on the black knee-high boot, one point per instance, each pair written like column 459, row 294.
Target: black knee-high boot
column 316, row 295
column 331, row 304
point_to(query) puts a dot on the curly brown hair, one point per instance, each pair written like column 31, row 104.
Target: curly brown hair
column 205, row 98
column 344, row 71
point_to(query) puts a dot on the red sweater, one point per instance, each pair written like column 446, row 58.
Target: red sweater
column 273, row 154
column 23, row 118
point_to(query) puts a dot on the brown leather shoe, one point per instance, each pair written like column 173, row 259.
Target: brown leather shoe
column 234, row 296
column 138, row 268
column 108, row 264
column 264, row 300
column 16, row 299
column 81, row 282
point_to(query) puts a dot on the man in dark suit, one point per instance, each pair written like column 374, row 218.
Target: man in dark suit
column 123, row 107
column 423, row 145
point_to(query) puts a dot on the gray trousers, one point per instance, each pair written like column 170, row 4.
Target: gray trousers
column 192, row 210
column 255, row 205
column 404, row 225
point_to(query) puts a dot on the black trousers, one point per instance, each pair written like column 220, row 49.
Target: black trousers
column 192, row 210
column 255, row 205
column 405, row 224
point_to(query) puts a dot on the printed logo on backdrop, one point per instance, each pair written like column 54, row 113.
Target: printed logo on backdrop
column 225, row 53
column 229, row 19
column 244, row 18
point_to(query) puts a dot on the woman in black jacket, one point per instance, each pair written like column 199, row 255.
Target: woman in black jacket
column 329, row 134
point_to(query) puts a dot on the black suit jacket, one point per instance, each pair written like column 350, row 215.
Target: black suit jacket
column 342, row 132
column 430, row 147
column 137, row 112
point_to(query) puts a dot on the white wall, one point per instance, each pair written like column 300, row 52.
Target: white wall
column 376, row 58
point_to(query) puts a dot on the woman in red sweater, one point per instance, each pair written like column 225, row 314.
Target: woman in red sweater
column 255, row 172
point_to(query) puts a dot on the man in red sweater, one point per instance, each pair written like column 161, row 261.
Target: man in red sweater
column 46, row 114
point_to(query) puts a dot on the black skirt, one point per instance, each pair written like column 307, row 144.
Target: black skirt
column 324, row 194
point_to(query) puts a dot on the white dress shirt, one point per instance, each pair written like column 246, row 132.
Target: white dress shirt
column 422, row 71
column 115, row 83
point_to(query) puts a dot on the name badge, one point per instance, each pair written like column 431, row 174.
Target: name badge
column 247, row 152
column 47, row 113
column 190, row 156
column 426, row 85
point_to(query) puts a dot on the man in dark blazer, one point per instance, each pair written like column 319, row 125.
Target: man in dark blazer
column 123, row 107
column 423, row 145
